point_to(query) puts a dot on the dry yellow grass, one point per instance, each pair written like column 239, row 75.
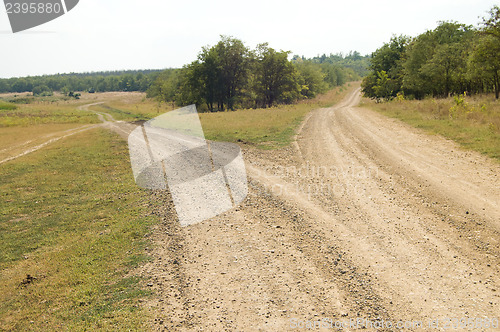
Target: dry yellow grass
column 473, row 122
column 269, row 127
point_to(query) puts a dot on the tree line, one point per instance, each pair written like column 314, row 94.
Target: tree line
column 130, row 80
column 353, row 60
column 451, row 59
column 230, row 75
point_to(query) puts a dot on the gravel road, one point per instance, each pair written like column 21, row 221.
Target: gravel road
column 361, row 217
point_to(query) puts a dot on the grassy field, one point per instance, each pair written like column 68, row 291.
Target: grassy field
column 473, row 122
column 73, row 224
column 28, row 111
column 131, row 106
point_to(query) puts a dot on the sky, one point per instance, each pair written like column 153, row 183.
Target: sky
column 100, row 35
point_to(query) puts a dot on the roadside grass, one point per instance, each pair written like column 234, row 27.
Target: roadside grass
column 473, row 122
column 267, row 128
column 72, row 227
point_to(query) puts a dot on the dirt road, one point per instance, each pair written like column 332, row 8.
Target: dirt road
column 362, row 217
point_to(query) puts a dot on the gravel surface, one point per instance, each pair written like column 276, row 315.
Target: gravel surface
column 361, row 217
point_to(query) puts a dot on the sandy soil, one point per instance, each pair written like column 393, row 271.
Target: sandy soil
column 362, row 217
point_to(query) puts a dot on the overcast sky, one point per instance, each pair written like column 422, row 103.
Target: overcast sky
column 155, row 34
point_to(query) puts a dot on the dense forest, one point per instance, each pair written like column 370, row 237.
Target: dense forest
column 229, row 75
column 452, row 59
column 130, row 80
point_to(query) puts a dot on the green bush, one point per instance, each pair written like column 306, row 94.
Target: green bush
column 4, row 106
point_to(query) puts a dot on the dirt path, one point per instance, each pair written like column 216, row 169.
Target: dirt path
column 122, row 128
column 362, row 217
column 33, row 145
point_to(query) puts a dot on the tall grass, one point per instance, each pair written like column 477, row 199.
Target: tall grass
column 473, row 122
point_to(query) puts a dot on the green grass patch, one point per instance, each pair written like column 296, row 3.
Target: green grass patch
column 268, row 128
column 73, row 220
column 473, row 122
column 5, row 106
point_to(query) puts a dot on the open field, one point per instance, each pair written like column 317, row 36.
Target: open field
column 473, row 122
column 72, row 226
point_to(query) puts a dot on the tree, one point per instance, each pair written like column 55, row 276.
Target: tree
column 491, row 25
column 276, row 77
column 217, row 78
column 229, row 75
column 41, row 90
column 484, row 62
column 435, row 61
column 383, row 88
column 233, row 61
column 446, row 69
column 386, row 77
column 311, row 79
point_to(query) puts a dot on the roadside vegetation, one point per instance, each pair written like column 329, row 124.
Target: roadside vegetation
column 450, row 60
column 446, row 81
column 473, row 122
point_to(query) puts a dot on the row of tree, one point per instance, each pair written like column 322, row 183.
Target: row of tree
column 229, row 75
column 452, row 59
column 97, row 82
column 353, row 60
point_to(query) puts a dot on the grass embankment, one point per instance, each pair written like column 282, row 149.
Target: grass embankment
column 72, row 226
column 473, row 122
